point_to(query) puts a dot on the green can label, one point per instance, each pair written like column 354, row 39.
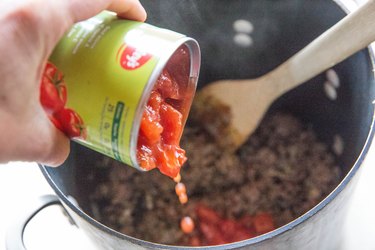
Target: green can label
column 108, row 65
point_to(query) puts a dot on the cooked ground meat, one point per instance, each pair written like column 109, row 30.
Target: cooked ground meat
column 283, row 170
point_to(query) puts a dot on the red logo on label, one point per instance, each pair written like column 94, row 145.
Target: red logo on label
column 132, row 58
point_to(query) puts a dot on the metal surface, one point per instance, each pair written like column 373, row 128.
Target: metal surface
column 14, row 237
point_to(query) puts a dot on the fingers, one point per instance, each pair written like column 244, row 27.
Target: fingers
column 55, row 17
column 57, row 149
column 33, row 138
column 49, row 145
column 130, row 9
column 35, row 26
column 51, row 19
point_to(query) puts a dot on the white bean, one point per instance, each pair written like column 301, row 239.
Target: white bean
column 243, row 40
column 338, row 145
column 243, row 26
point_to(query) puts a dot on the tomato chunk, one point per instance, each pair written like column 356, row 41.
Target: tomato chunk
column 208, row 215
column 195, row 241
column 263, row 223
column 180, row 188
column 234, row 231
column 187, row 225
column 171, row 121
column 167, row 86
column 216, row 229
column 150, row 126
column 145, row 155
column 161, row 129
column 212, row 234
column 170, row 159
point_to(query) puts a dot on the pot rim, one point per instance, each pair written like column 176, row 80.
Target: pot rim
column 347, row 6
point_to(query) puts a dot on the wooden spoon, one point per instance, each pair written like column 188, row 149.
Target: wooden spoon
column 246, row 101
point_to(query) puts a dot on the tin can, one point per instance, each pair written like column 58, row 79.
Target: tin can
column 110, row 67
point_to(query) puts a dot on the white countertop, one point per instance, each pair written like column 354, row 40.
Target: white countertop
column 22, row 182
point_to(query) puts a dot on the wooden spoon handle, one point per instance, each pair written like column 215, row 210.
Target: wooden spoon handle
column 351, row 34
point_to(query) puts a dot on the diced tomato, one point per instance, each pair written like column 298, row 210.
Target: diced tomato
column 167, row 86
column 212, row 234
column 208, row 215
column 155, row 100
column 228, row 227
column 150, row 123
column 180, row 188
column 144, row 155
column 234, row 231
column 161, row 129
column 195, row 241
column 187, row 225
column 183, row 198
column 177, row 179
column 150, row 126
column 247, row 221
column 171, row 120
column 170, row 159
column 241, row 234
column 216, row 229
column 263, row 223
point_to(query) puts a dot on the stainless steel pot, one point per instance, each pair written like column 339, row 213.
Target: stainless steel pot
column 281, row 28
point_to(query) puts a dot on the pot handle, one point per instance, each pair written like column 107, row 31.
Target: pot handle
column 14, row 234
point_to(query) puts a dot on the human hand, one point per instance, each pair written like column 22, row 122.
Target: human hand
column 29, row 31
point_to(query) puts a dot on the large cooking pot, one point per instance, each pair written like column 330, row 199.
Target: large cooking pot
column 281, row 28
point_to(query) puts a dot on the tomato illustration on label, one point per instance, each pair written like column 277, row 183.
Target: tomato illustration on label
column 132, row 58
column 71, row 123
column 52, row 90
column 53, row 97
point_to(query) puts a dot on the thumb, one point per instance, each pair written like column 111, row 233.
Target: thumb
column 34, row 138
column 59, row 15
column 56, row 146
column 50, row 146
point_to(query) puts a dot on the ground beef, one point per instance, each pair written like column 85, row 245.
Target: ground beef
column 283, row 170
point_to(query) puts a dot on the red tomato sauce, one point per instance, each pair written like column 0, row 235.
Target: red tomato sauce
column 215, row 229
column 164, row 117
